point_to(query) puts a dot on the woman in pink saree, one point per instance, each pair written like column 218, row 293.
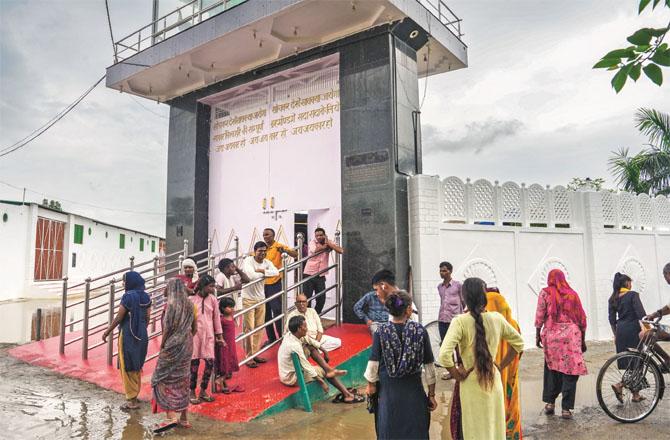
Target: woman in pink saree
column 560, row 324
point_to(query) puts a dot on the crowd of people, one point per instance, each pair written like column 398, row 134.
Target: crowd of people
column 480, row 345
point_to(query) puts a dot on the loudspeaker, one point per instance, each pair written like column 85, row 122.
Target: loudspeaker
column 411, row 33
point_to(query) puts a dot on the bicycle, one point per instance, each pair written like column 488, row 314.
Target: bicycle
column 637, row 370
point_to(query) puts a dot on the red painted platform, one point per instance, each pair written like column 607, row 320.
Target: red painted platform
column 262, row 387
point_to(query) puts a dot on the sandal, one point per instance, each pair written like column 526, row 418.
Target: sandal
column 252, row 364
column 339, row 398
column 638, row 400
column 128, row 407
column 194, row 401
column 566, row 414
column 549, row 409
column 185, row 424
column 356, row 399
column 165, row 426
column 237, row 389
column 206, row 398
column 618, row 393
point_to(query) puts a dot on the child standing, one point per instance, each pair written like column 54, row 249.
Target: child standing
column 209, row 332
column 226, row 353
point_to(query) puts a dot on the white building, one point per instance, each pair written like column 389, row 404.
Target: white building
column 40, row 246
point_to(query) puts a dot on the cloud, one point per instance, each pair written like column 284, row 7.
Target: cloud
column 478, row 136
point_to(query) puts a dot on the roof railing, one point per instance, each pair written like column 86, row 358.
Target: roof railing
column 196, row 11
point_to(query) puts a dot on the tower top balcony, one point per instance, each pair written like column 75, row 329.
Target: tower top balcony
column 206, row 41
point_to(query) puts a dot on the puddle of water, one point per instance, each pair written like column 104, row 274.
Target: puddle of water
column 38, row 404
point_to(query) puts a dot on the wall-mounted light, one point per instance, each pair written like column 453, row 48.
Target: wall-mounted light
column 265, row 203
column 272, row 202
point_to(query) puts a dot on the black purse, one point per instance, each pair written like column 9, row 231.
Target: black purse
column 372, row 402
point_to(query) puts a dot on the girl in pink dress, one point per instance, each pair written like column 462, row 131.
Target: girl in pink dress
column 560, row 324
column 226, row 353
column 209, row 333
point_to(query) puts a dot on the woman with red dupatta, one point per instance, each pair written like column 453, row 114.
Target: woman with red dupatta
column 560, row 324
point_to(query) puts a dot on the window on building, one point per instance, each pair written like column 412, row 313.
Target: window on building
column 78, row 234
column 141, row 245
column 153, row 246
column 122, row 241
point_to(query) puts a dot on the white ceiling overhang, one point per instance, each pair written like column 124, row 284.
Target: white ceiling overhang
column 178, row 65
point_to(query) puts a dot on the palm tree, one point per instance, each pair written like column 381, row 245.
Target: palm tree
column 649, row 170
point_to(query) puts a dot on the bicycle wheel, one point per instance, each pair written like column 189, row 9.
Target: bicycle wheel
column 631, row 372
column 435, row 341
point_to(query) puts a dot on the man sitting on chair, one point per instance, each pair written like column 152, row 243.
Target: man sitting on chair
column 314, row 327
column 293, row 342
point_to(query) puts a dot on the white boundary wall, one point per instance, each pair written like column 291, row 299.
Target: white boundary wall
column 484, row 229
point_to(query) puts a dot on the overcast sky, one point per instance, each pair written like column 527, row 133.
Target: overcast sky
column 529, row 108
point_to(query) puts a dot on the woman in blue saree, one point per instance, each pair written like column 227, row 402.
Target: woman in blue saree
column 133, row 318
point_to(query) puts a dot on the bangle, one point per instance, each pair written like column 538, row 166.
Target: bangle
column 431, row 394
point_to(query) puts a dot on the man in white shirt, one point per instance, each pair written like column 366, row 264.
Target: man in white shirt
column 292, row 343
column 257, row 268
column 314, row 327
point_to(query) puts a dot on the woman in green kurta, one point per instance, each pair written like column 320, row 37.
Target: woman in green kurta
column 477, row 334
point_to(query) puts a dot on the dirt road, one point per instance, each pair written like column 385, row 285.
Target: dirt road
column 38, row 404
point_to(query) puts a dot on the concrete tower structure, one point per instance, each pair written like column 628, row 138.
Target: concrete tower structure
column 289, row 108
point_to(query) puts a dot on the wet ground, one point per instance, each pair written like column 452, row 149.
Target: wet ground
column 38, row 404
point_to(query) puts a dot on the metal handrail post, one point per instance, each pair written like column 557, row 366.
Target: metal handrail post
column 156, row 262
column 110, row 318
column 132, row 263
column 185, row 248
column 301, row 243
column 338, row 283
column 210, row 257
column 63, row 318
column 84, row 341
column 237, row 248
column 284, row 297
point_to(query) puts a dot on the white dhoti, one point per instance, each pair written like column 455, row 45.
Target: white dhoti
column 330, row 343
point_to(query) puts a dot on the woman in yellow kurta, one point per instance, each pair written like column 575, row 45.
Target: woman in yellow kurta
column 478, row 336
column 509, row 376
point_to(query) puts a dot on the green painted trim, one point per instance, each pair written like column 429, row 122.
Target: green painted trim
column 355, row 367
column 300, row 380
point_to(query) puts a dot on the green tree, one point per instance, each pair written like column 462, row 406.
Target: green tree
column 647, row 53
column 649, row 170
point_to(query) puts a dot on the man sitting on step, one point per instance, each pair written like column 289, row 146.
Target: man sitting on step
column 314, row 327
column 293, row 343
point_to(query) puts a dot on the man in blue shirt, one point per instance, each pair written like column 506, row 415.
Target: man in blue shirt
column 370, row 308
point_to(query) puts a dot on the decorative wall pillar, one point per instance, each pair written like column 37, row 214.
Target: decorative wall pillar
column 426, row 196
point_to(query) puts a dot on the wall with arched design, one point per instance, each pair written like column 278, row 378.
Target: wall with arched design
column 533, row 229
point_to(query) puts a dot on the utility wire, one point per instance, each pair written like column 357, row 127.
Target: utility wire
column 80, row 203
column 147, row 109
column 111, row 34
column 38, row 132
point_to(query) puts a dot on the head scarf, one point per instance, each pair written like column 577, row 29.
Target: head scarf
column 190, row 263
column 562, row 298
column 402, row 353
column 133, row 281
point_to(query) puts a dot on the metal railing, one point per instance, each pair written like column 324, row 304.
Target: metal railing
column 168, row 25
column 197, row 11
column 444, row 14
column 100, row 296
